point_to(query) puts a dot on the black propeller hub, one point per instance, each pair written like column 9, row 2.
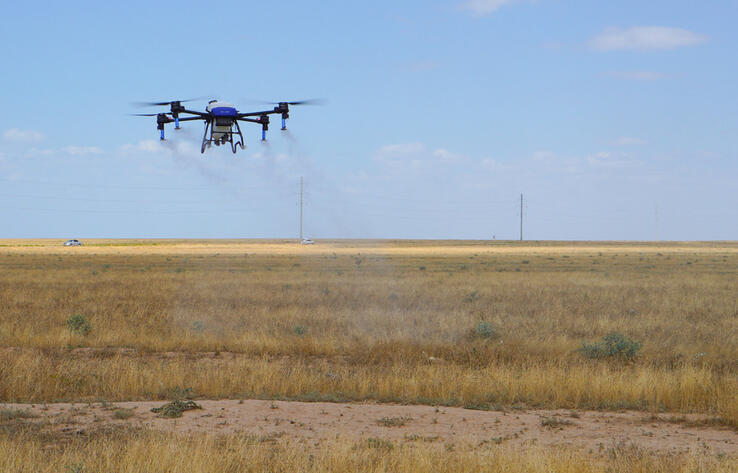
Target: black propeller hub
column 176, row 108
column 264, row 120
column 161, row 120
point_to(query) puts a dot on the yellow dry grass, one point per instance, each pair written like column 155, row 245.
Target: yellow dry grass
column 151, row 452
column 389, row 321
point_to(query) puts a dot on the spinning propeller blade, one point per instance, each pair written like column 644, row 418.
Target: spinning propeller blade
column 297, row 102
column 143, row 114
column 150, row 104
column 306, row 102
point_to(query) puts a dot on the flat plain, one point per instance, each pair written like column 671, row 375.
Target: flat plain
column 493, row 329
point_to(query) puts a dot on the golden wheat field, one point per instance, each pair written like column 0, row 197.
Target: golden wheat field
column 481, row 325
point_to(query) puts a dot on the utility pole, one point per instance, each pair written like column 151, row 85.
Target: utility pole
column 301, row 205
column 521, row 217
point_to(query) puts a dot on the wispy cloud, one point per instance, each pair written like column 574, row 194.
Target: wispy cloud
column 645, row 38
column 608, row 159
column 81, row 150
column 447, row 156
column 416, row 155
column 35, row 152
column 399, row 151
column 23, row 136
column 485, row 7
column 637, row 75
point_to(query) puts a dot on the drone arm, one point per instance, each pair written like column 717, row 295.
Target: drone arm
column 241, row 116
column 189, row 119
column 250, row 120
column 193, row 112
column 277, row 110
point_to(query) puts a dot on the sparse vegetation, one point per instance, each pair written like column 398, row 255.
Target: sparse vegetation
column 383, row 444
column 237, row 453
column 614, row 345
column 372, row 331
column 485, row 330
column 79, row 324
column 175, row 409
column 394, row 421
column 75, row 468
column 13, row 414
column 555, row 422
column 123, row 414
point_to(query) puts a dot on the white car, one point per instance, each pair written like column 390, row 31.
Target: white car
column 307, row 241
column 72, row 243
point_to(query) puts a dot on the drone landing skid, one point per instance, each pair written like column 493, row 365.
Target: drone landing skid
column 221, row 137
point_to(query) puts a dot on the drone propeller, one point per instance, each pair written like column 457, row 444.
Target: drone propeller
column 304, row 102
column 151, row 104
column 143, row 114
column 297, row 102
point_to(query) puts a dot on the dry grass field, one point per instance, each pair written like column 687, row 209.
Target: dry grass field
column 482, row 325
column 133, row 451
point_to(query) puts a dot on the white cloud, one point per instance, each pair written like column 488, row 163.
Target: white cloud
column 637, row 75
column 629, row 141
column 610, row 160
column 493, row 165
column 81, row 150
column 447, row 156
column 68, row 150
column 485, row 7
column 24, row 136
column 645, row 38
column 33, row 152
column 165, row 148
column 399, row 151
column 544, row 156
column 415, row 155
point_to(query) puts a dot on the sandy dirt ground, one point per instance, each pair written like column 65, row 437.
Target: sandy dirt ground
column 310, row 423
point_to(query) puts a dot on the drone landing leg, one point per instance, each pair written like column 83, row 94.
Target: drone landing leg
column 240, row 137
column 204, row 137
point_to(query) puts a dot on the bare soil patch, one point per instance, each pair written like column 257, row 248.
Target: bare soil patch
column 591, row 431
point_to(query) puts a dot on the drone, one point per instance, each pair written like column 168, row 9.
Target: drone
column 221, row 120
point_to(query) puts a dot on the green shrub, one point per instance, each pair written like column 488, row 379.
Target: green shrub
column 299, row 330
column 485, row 330
column 79, row 324
column 614, row 345
column 175, row 409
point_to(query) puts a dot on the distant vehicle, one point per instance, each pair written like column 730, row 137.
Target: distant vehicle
column 72, row 243
column 307, row 241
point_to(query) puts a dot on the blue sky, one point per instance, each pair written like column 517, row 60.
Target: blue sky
column 617, row 120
